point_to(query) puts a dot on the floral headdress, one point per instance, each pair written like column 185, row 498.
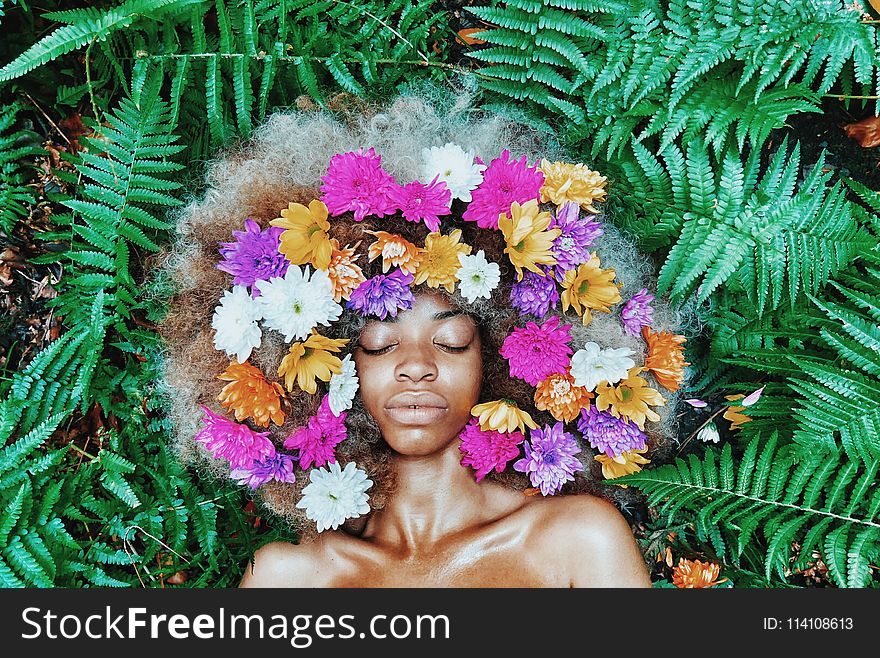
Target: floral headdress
column 293, row 277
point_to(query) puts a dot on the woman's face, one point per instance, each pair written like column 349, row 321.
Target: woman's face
column 420, row 374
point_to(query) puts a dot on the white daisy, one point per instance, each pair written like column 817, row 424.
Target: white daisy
column 477, row 276
column 296, row 304
column 334, row 495
column 709, row 433
column 236, row 331
column 592, row 365
column 343, row 387
column 455, row 167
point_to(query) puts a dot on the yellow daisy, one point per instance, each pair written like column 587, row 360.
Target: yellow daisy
column 394, row 250
column 310, row 360
column 439, row 262
column 529, row 242
column 630, row 399
column 625, row 463
column 590, row 288
column 732, row 413
column 502, row 416
column 565, row 182
column 305, row 240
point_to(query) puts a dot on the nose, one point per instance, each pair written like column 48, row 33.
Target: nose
column 415, row 363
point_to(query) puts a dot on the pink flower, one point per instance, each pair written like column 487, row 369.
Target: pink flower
column 317, row 441
column 534, row 353
column 236, row 443
column 355, row 181
column 423, row 203
column 503, row 183
column 487, row 449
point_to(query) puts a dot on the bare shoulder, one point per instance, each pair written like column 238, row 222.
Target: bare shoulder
column 593, row 538
column 282, row 564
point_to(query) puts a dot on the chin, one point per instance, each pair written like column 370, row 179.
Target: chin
column 418, row 442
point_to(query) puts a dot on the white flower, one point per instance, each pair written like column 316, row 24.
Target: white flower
column 296, row 304
column 455, row 167
column 592, row 365
column 343, row 387
column 235, row 324
column 477, row 276
column 709, row 432
column 334, row 495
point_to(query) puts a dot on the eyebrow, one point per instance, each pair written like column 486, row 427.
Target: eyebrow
column 437, row 317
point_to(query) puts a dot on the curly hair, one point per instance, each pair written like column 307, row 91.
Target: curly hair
column 282, row 163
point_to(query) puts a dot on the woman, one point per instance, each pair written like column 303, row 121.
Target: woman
column 421, row 375
column 396, row 334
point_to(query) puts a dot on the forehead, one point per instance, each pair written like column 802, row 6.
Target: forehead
column 427, row 308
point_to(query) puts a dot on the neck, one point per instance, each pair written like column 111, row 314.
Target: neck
column 435, row 497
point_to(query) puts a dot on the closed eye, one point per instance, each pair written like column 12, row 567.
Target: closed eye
column 380, row 350
column 454, row 349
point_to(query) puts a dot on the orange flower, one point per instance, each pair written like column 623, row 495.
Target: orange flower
column 395, row 251
column 693, row 573
column 630, row 399
column 342, row 271
column 250, row 395
column 732, row 413
column 558, row 395
column 310, row 360
column 438, row 262
column 305, row 239
column 590, row 288
column 665, row 357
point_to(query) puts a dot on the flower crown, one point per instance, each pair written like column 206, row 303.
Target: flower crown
column 293, row 277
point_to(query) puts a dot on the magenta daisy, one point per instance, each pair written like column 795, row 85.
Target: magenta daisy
column 610, row 435
column 534, row 352
column 423, row 203
column 355, row 181
column 571, row 248
column 278, row 467
column 317, row 441
column 487, row 449
column 254, row 256
column 383, row 295
column 534, row 294
column 550, row 459
column 637, row 312
column 236, row 443
column 503, row 183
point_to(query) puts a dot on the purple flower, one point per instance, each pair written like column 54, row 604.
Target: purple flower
column 254, row 256
column 238, row 444
column 487, row 449
column 423, row 203
column 571, row 247
column 383, row 294
column 356, row 182
column 535, row 294
column 637, row 312
column 550, row 458
column 317, row 441
column 611, row 435
column 277, row 467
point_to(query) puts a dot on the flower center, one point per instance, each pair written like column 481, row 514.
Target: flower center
column 626, row 394
column 550, row 458
column 566, row 243
column 582, row 289
column 561, row 387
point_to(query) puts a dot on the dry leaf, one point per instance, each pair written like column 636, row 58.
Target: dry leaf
column 464, row 36
column 866, row 132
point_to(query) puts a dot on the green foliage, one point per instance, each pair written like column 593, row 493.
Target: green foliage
column 821, row 500
column 15, row 148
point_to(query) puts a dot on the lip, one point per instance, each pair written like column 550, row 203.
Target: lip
column 416, row 408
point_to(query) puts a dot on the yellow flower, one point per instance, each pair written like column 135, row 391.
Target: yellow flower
column 665, row 357
column 564, row 182
column 558, row 395
column 250, row 395
column 529, row 242
column 305, row 240
column 439, row 262
column 395, row 251
column 342, row 271
column 693, row 573
column 630, row 399
column 732, row 413
column 502, row 416
column 590, row 288
column 625, row 463
column 310, row 360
